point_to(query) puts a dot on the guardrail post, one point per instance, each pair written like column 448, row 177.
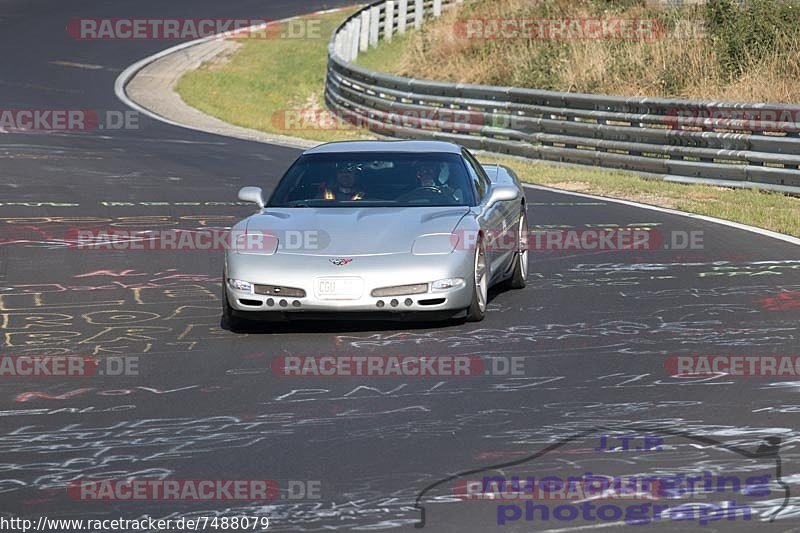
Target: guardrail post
column 419, row 12
column 437, row 8
column 374, row 25
column 402, row 15
column 347, row 41
column 355, row 37
column 388, row 20
column 363, row 38
column 337, row 44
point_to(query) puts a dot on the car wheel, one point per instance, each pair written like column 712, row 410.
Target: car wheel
column 230, row 321
column 480, row 295
column 520, row 273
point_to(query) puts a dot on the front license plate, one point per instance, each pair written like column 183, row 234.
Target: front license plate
column 340, row 288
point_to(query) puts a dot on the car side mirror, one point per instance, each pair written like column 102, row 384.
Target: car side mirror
column 501, row 193
column 252, row 194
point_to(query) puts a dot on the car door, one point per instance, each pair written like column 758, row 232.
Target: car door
column 494, row 219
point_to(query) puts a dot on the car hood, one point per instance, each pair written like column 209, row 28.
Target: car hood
column 353, row 231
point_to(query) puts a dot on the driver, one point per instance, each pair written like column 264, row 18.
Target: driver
column 346, row 186
column 430, row 174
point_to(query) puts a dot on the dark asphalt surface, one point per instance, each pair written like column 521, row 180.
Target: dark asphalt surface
column 594, row 329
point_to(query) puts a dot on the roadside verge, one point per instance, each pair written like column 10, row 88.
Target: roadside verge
column 149, row 86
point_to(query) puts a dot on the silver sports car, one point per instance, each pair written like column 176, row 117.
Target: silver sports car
column 385, row 229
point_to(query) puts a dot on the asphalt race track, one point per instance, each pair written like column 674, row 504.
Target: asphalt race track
column 593, row 329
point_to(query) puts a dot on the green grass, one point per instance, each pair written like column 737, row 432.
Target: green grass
column 385, row 53
column 271, row 85
column 771, row 211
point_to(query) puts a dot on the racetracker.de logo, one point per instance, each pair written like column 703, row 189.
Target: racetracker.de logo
column 99, row 29
column 561, row 29
column 315, row 119
column 709, row 118
column 203, row 240
column 193, row 490
column 742, row 366
column 585, row 239
column 175, row 489
column 37, row 366
column 402, row 366
column 21, row 120
column 553, row 488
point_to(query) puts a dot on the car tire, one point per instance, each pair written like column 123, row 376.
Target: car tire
column 230, row 321
column 520, row 273
column 480, row 294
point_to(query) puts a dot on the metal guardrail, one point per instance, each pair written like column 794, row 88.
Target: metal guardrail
column 669, row 137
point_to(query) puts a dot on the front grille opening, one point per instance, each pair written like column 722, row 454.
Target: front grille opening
column 432, row 301
column 252, row 303
column 277, row 290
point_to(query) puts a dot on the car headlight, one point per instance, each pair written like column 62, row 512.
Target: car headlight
column 400, row 290
column 447, row 284
column 240, row 285
column 435, row 244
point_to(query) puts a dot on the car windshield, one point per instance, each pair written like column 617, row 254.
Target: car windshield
column 375, row 180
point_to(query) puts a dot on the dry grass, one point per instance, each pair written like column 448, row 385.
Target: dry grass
column 682, row 62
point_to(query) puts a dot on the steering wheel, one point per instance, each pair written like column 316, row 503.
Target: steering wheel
column 420, row 192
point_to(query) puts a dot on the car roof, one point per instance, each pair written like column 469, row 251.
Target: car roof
column 385, row 146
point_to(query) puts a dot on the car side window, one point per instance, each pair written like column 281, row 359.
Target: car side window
column 476, row 173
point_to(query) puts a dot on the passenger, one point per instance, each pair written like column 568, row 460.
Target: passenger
column 347, row 185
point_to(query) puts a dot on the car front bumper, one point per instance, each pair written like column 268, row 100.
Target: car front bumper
column 373, row 272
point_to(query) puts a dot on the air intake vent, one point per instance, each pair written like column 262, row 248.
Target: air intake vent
column 276, row 290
